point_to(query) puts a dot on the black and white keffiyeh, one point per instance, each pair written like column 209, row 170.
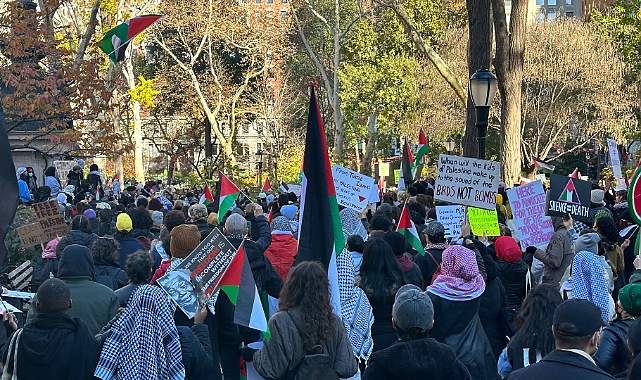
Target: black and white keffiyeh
column 144, row 342
column 352, row 224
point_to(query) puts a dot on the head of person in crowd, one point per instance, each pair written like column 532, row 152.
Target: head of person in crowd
column 198, row 213
column 138, row 267
column 157, row 218
column 576, row 325
column 608, row 231
column 507, row 249
column 397, row 242
column 21, row 173
column 184, row 239
column 178, row 205
column 123, row 225
column 460, row 278
column 435, row 233
column 174, row 218
column 307, row 288
column 50, row 171
column 380, row 273
column 140, row 219
column 90, row 214
column 283, row 200
column 235, row 225
column 289, row 211
column 80, row 223
column 412, row 191
column 93, row 168
column 355, row 243
column 587, row 241
column 155, row 204
column 621, row 196
column 105, row 251
column 280, row 224
column 596, row 198
column 76, row 261
column 386, row 209
column 380, row 223
column 54, row 296
column 212, row 219
column 629, row 301
column 142, row 202
column 589, row 283
column 419, row 209
column 412, row 313
column 43, row 193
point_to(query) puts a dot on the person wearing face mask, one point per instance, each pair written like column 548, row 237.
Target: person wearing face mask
column 32, row 181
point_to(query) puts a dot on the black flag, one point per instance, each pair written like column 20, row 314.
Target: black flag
column 8, row 186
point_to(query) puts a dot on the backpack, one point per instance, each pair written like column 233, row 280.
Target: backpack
column 42, row 271
column 437, row 272
column 106, row 278
column 315, row 364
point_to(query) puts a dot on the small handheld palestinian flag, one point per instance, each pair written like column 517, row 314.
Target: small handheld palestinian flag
column 228, row 195
column 238, row 283
column 206, row 199
column 116, row 40
column 575, row 173
column 267, row 186
column 283, row 187
column 423, row 149
column 542, row 166
column 406, row 228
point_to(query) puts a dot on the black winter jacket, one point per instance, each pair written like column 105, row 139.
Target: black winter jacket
column 513, row 279
column 613, row 355
column 75, row 237
column 196, row 351
column 492, row 300
column 204, row 228
column 561, row 365
column 427, row 265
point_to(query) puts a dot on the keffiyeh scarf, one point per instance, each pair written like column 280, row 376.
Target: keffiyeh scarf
column 352, row 224
column 144, row 342
column 588, row 282
column 460, row 279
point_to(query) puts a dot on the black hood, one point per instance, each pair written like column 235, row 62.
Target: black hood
column 79, row 237
column 76, row 261
column 42, row 348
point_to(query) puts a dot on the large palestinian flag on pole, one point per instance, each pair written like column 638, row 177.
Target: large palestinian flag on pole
column 320, row 230
column 423, row 149
column 116, row 40
column 228, row 195
column 406, row 228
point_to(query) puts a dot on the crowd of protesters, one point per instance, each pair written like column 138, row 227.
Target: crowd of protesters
column 471, row 307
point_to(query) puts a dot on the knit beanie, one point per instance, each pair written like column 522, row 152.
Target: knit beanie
column 588, row 242
column 280, row 223
column 90, row 214
column 184, row 239
column 289, row 211
column 157, row 218
column 630, row 298
column 507, row 249
column 123, row 223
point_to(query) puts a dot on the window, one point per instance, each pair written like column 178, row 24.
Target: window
column 283, row 15
column 270, row 1
column 552, row 2
column 270, row 13
column 245, row 129
column 569, row 2
column 569, row 14
column 540, row 2
column 283, row 1
column 257, row 1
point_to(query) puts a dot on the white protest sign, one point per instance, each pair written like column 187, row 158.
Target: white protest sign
column 541, row 177
column 451, row 217
column 353, row 189
column 374, row 196
column 621, row 185
column 533, row 227
column 614, row 157
column 294, row 189
column 467, row 181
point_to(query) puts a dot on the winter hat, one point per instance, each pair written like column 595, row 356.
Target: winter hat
column 50, row 250
column 280, row 223
column 630, row 298
column 131, row 188
column 123, row 223
column 20, row 170
column 102, row 206
column 184, row 239
column 625, row 215
column 157, row 217
column 289, row 211
column 90, row 214
column 412, row 309
column 62, row 199
column 588, row 242
column 198, row 212
column 81, row 163
column 596, row 196
column 507, row 249
column 77, row 167
column 580, row 318
column 396, row 241
column 385, row 207
column 435, row 229
column 270, row 198
column 262, row 195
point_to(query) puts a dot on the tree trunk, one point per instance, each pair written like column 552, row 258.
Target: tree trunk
column 170, row 170
column 478, row 14
column 115, row 112
column 208, row 147
column 372, row 121
column 510, row 52
column 139, row 168
column 338, row 113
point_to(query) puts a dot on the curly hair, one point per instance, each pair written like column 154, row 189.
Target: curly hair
column 105, row 250
column 155, row 205
column 138, row 267
column 307, row 288
column 607, row 230
column 140, row 218
column 174, row 218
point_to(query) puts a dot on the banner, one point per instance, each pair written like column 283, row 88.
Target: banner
column 200, row 272
column 30, row 235
column 51, row 221
column 353, row 189
column 467, row 181
column 294, row 189
column 527, row 202
column 451, row 217
column 569, row 196
column 483, row 222
column 614, row 158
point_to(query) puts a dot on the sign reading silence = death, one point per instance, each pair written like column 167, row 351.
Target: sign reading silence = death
column 467, row 181
column 569, row 196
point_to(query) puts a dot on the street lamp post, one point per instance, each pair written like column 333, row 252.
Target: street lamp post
column 275, row 158
column 449, row 145
column 482, row 90
column 260, row 154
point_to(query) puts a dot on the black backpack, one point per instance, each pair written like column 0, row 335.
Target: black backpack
column 42, row 271
column 316, row 364
column 106, row 277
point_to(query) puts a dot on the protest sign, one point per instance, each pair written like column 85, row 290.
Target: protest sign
column 569, row 196
column 374, row 195
column 614, row 158
column 63, row 168
column 201, row 271
column 294, row 189
column 383, row 169
column 451, row 217
column 397, row 175
column 30, row 235
column 17, row 294
column 51, row 221
column 541, row 177
column 7, row 306
column 353, row 189
column 483, row 222
column 527, row 202
column 467, row 181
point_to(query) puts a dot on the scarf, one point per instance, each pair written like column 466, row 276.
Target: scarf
column 50, row 250
column 144, row 342
column 356, row 310
column 588, row 282
column 439, row 246
column 352, row 224
column 405, row 263
column 460, row 279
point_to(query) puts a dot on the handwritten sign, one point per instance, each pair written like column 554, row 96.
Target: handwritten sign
column 294, row 189
column 569, row 196
column 50, row 219
column 353, row 189
column 533, row 227
column 614, row 158
column 467, row 181
column 451, row 217
column 383, row 169
column 30, row 235
column 397, row 175
column 483, row 222
column 541, row 177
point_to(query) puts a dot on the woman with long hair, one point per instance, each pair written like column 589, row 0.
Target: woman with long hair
column 380, row 277
column 634, row 343
column 105, row 261
column 80, row 234
column 534, row 338
column 304, row 324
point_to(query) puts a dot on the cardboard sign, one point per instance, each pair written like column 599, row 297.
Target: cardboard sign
column 483, row 222
column 294, row 189
column 451, row 217
column 353, row 189
column 533, row 227
column 397, row 175
column 201, row 271
column 569, row 196
column 383, row 169
column 30, row 235
column 50, row 219
column 614, row 158
column 467, row 181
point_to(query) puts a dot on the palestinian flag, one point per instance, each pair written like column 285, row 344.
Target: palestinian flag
column 283, row 187
column 570, row 194
column 542, row 166
column 407, row 167
column 423, row 149
column 228, row 195
column 320, row 232
column 116, row 40
column 406, row 228
column 206, row 198
column 267, row 186
column 575, row 173
column 238, row 283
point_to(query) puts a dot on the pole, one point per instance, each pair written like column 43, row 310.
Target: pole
column 482, row 116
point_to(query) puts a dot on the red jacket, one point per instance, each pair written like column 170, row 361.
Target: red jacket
column 162, row 269
column 281, row 253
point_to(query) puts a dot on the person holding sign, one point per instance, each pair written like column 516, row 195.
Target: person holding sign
column 557, row 256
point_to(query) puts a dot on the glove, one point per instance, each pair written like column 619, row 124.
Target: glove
column 247, row 353
column 530, row 250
